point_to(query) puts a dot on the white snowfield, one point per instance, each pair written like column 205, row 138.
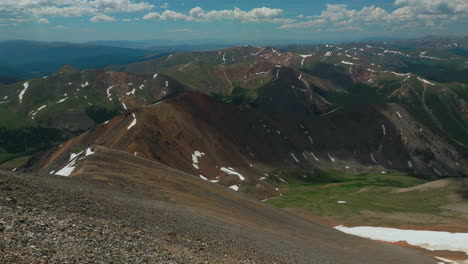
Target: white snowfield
column 425, row 81
column 234, row 187
column 196, row 154
column 21, row 94
column 133, row 122
column 294, row 157
column 431, row 240
column 68, row 169
column 108, row 92
column 231, row 171
column 62, row 100
column 346, row 62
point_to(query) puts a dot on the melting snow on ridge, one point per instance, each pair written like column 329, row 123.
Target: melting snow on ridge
column 108, row 92
column 133, row 91
column 68, row 169
column 294, row 157
column 62, row 100
column 345, row 62
column 231, row 171
column 425, row 81
column 383, row 130
column 88, row 152
column 133, row 122
column 432, row 240
column 313, row 155
column 84, row 85
column 196, row 154
column 37, row 111
column 304, row 57
column 234, row 187
column 154, row 76
column 21, row 94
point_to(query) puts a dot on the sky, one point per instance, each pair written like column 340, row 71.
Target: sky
column 239, row 21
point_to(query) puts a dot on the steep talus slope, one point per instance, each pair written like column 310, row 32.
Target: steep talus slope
column 148, row 195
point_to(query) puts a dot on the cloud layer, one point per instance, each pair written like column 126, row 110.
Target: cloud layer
column 197, row 14
column 26, row 10
column 407, row 12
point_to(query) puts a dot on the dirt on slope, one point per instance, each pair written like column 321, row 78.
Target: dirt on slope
column 123, row 208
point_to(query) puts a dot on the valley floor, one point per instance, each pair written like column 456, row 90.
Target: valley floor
column 368, row 202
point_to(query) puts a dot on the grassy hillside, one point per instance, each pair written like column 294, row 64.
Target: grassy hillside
column 367, row 199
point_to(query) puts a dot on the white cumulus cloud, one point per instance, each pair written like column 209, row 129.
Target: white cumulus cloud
column 27, row 10
column 43, row 21
column 102, row 18
column 261, row 14
column 408, row 12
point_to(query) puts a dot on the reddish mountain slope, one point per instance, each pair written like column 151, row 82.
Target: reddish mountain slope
column 240, row 148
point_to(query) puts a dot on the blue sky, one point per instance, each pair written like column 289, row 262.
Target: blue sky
column 239, row 21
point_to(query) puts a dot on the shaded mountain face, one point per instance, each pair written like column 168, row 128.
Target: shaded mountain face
column 315, row 108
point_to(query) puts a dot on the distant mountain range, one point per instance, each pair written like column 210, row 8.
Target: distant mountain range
column 30, row 59
column 375, row 115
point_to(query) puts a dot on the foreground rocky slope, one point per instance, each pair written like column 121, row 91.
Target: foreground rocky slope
column 123, row 208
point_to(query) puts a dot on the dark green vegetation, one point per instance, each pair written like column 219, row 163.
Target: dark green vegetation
column 100, row 114
column 365, row 199
column 26, row 141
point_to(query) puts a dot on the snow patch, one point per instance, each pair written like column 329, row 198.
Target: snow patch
column 133, row 122
column 294, row 157
column 108, row 92
column 313, row 155
column 234, row 187
column 345, row 62
column 62, row 100
column 203, row 177
column 196, row 154
column 425, row 81
column 383, row 130
column 431, row 240
column 37, row 110
column 21, row 94
column 68, row 169
column 89, row 152
column 133, row 91
column 341, row 202
column 231, row 171
column 83, row 85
